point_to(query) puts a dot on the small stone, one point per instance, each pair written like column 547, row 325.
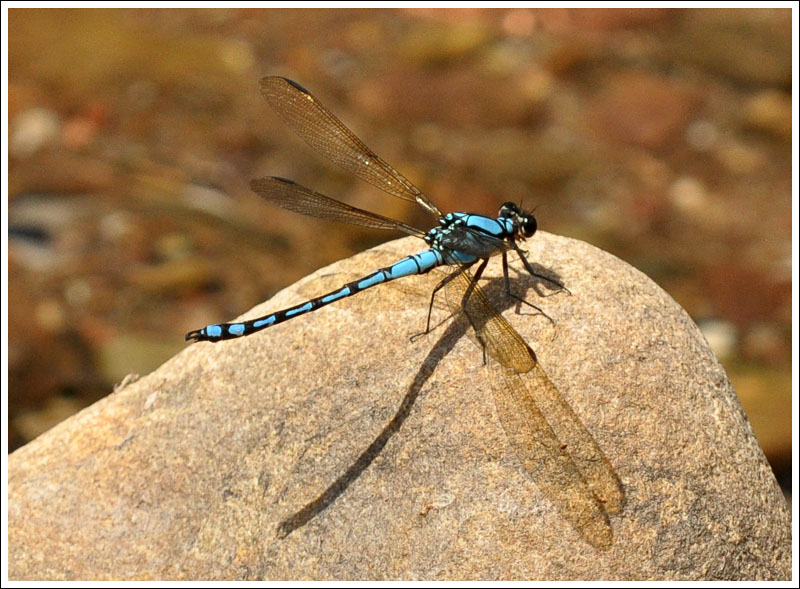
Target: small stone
column 770, row 111
column 33, row 129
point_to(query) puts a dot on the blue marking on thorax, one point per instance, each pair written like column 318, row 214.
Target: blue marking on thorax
column 449, row 218
column 507, row 225
column 486, row 225
column 500, row 228
column 467, row 238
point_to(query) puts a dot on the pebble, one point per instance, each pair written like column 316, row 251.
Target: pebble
column 32, row 130
column 721, row 336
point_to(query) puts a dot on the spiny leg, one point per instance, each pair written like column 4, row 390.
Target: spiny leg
column 530, row 269
column 465, row 300
column 518, row 298
column 436, row 289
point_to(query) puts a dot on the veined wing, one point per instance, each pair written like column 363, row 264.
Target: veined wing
column 553, row 445
column 327, row 134
column 289, row 195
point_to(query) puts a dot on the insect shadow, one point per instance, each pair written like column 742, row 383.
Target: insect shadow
column 597, row 532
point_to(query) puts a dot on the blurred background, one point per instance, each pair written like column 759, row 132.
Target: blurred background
column 660, row 135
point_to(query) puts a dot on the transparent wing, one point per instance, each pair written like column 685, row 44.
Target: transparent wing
column 289, row 195
column 547, row 436
column 327, row 134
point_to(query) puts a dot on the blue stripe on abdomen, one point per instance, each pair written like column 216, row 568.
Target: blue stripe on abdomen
column 370, row 280
column 236, row 329
column 335, row 296
column 419, row 263
column 299, row 309
column 261, row 323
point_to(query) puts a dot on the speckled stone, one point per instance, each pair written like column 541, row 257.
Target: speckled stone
column 333, row 447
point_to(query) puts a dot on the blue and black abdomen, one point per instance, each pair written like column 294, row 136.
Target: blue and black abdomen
column 416, row 264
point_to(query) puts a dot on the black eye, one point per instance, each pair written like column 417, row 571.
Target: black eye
column 528, row 225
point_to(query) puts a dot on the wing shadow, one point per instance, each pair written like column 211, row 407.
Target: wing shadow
column 551, row 442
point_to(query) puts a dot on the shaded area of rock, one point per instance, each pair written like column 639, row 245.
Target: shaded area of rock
column 394, row 452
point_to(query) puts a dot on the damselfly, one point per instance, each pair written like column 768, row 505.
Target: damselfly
column 550, row 441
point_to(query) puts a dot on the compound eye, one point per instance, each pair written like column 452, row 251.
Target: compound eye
column 528, row 225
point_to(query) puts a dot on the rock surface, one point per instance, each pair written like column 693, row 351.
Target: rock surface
column 332, row 447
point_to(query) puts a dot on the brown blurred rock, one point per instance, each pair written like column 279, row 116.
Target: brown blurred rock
column 642, row 109
column 189, row 472
column 749, row 46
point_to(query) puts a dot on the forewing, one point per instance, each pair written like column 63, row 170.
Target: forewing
column 328, row 135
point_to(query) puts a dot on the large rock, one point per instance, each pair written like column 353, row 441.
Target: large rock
column 333, row 447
